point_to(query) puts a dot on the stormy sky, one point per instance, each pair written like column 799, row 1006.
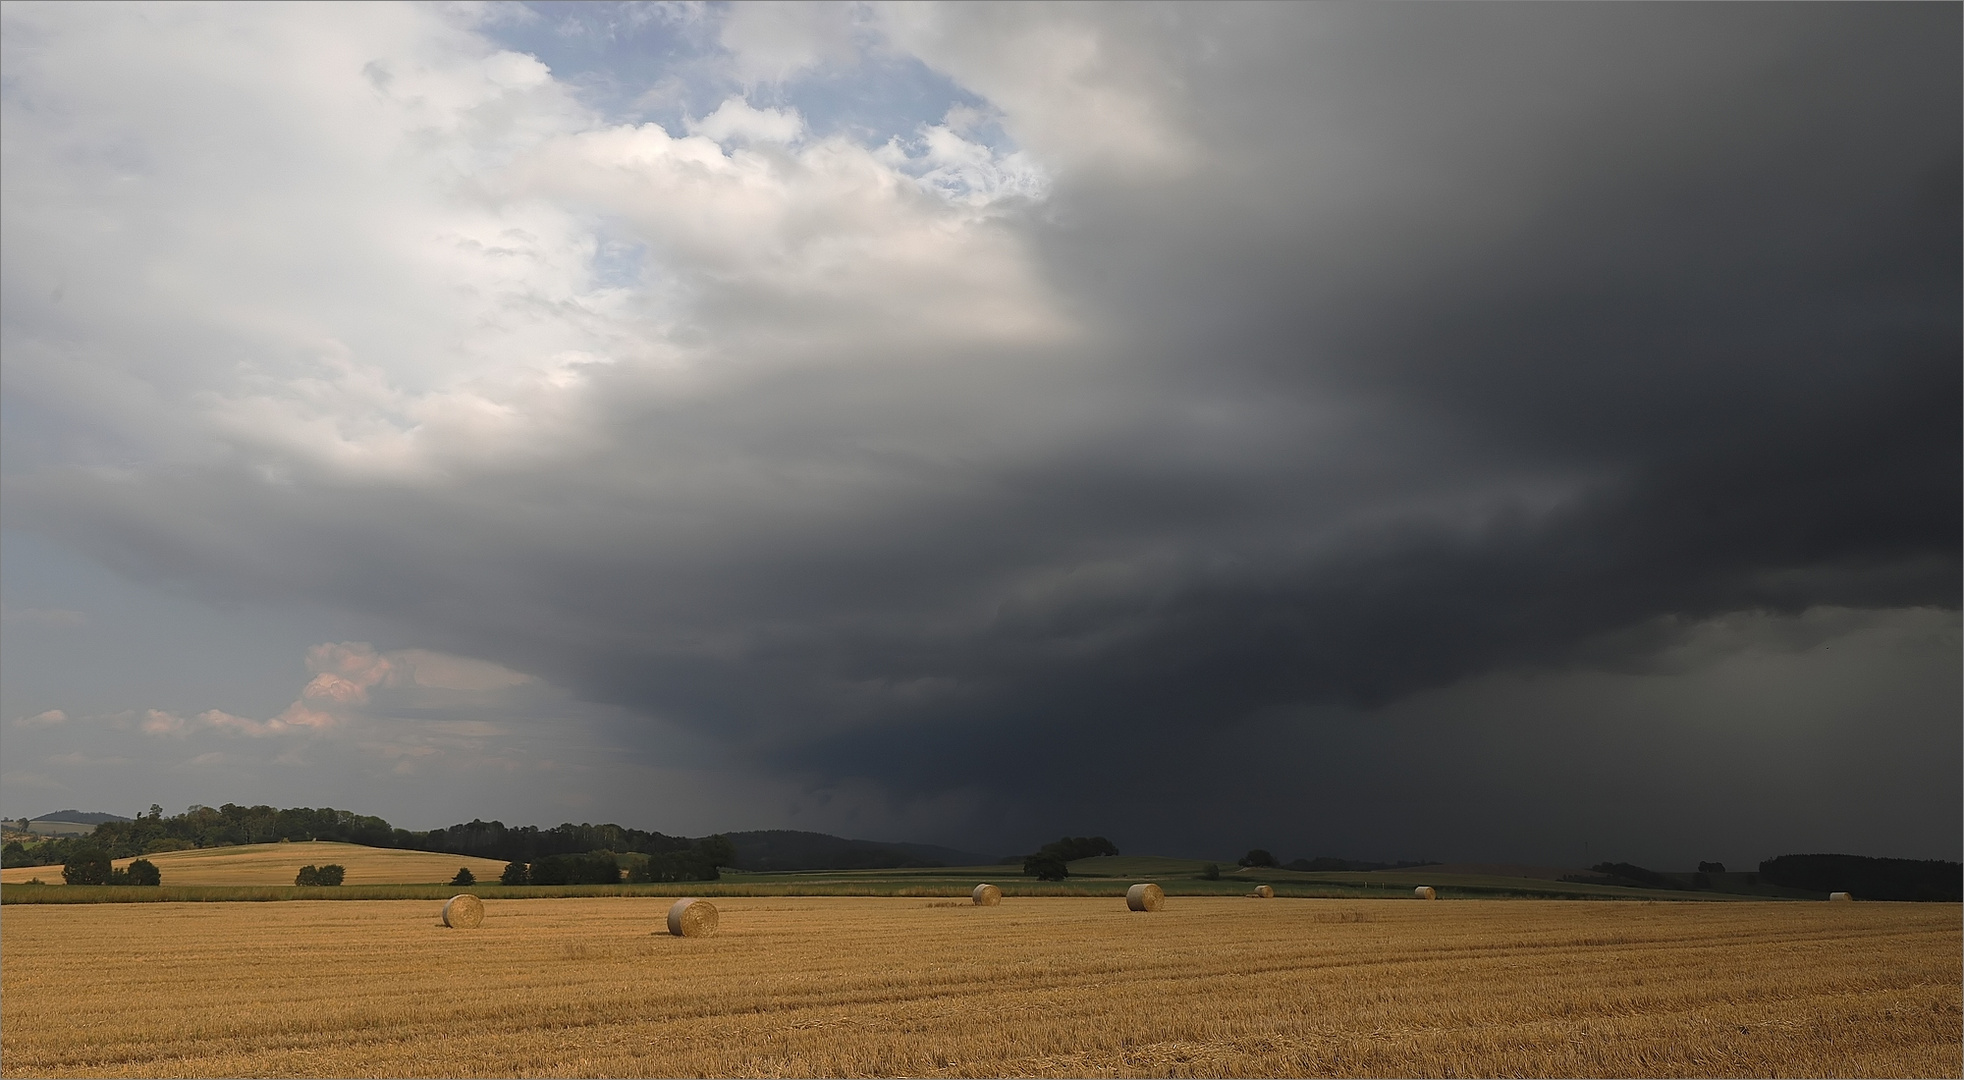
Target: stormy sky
column 1471, row 432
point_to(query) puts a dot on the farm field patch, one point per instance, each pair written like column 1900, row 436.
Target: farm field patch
column 276, row 864
column 1037, row 986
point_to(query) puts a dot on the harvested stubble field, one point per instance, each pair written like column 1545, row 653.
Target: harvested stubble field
column 1051, row 986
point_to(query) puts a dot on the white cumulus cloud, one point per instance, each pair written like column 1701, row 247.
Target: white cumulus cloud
column 736, row 120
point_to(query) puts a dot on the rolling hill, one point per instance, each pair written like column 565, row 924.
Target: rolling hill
column 276, row 864
column 80, row 817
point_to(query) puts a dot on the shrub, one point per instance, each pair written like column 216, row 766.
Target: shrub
column 89, row 866
column 464, row 877
column 515, row 874
column 1210, row 872
column 331, row 874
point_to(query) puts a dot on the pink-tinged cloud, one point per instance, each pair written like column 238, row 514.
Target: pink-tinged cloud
column 328, row 686
column 43, row 719
column 159, row 722
column 224, row 721
column 344, row 672
column 296, row 718
column 299, row 715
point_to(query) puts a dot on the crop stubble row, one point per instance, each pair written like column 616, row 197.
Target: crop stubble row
column 880, row 986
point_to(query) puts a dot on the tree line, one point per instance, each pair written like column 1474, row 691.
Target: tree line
column 1867, row 878
column 699, row 862
column 664, row 858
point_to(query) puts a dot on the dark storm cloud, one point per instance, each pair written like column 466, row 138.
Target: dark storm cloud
column 1458, row 341
column 1692, row 274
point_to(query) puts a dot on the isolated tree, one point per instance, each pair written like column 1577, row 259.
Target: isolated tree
column 1257, row 857
column 143, row 872
column 1045, row 867
column 514, row 874
column 1711, row 868
column 1210, row 872
column 464, row 877
column 89, row 866
column 308, row 875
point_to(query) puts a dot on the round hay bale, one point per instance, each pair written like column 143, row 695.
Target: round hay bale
column 463, row 912
column 1145, row 897
column 1426, row 892
column 1841, row 896
column 692, row 918
column 1263, row 892
column 986, row 895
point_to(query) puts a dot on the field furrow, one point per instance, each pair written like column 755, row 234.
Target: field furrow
column 1052, row 986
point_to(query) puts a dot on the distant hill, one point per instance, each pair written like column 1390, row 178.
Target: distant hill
column 63, row 823
column 789, row 849
column 80, row 817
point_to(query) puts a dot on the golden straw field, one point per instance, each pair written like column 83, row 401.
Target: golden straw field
column 275, row 864
column 796, row 986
